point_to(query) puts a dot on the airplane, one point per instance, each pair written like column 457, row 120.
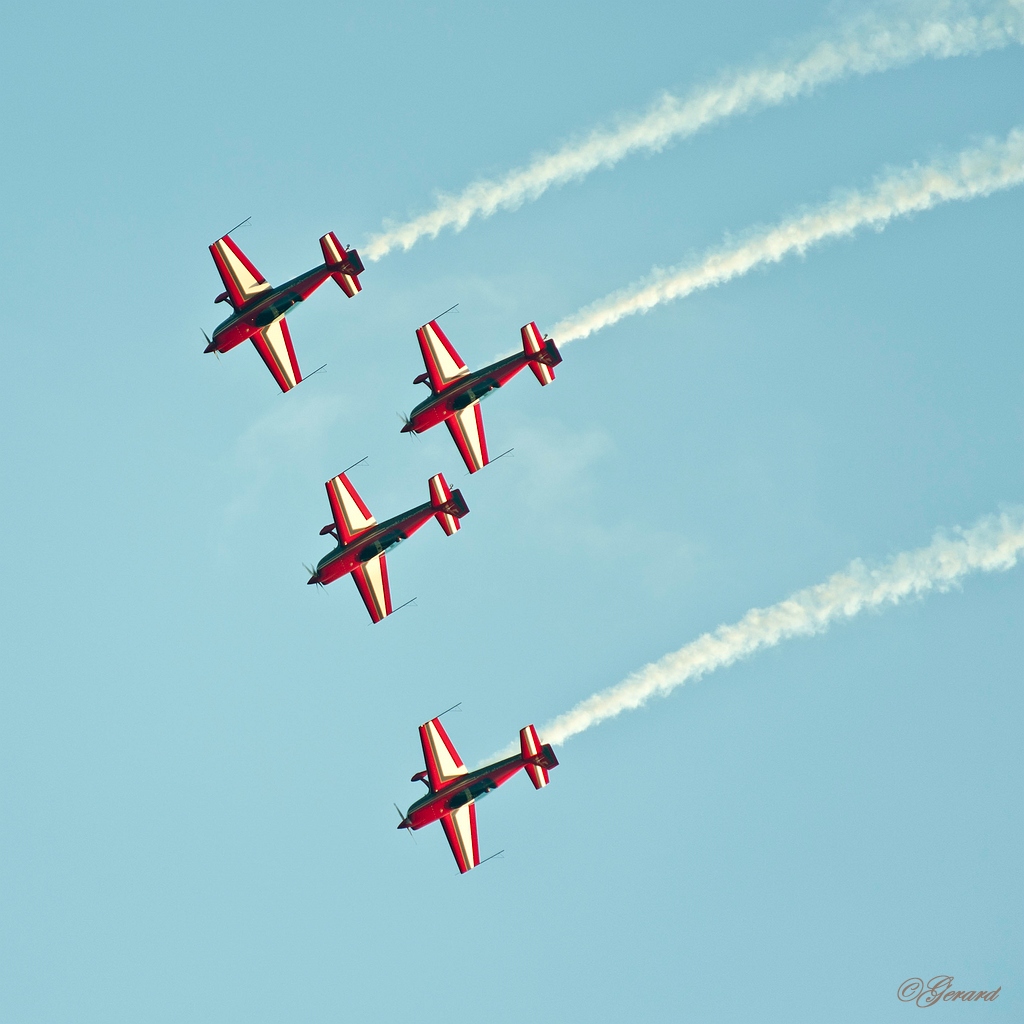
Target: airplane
column 455, row 393
column 453, row 790
column 362, row 541
column 259, row 308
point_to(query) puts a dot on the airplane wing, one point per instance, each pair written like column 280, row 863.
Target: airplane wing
column 443, row 363
column 274, row 344
column 351, row 516
column 372, row 582
column 467, row 430
column 460, row 828
column 442, row 760
column 241, row 279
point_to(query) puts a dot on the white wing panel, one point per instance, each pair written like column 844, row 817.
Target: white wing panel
column 351, row 515
column 467, row 430
column 443, row 363
column 460, row 828
column 442, row 759
column 372, row 582
column 237, row 265
column 273, row 343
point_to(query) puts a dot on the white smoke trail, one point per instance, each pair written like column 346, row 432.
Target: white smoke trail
column 971, row 173
column 865, row 47
column 994, row 543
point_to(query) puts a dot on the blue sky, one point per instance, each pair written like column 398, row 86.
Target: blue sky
column 199, row 754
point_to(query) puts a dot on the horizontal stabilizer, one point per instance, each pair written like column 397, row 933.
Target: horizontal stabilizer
column 449, row 506
column 345, row 264
column 542, row 352
column 539, row 758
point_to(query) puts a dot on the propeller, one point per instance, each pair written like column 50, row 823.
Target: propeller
column 406, row 424
column 209, row 347
column 312, row 572
column 402, row 817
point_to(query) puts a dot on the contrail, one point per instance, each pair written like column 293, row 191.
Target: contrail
column 994, row 543
column 971, row 173
column 867, row 46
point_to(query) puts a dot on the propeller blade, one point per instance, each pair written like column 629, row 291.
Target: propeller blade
column 402, row 816
column 208, row 344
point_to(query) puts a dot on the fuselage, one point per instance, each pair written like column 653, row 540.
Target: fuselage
column 265, row 308
column 462, row 392
column 469, row 788
column 375, row 541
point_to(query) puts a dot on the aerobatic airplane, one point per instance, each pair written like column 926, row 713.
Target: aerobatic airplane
column 259, row 308
column 362, row 541
column 455, row 393
column 454, row 790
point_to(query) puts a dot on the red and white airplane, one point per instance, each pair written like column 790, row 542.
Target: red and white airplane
column 259, row 308
column 455, row 393
column 454, row 790
column 362, row 541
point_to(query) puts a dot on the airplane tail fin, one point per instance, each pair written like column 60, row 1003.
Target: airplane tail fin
column 539, row 758
column 542, row 353
column 449, row 506
column 345, row 264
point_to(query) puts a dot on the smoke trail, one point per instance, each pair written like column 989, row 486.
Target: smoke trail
column 994, row 543
column 972, row 173
column 867, row 46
